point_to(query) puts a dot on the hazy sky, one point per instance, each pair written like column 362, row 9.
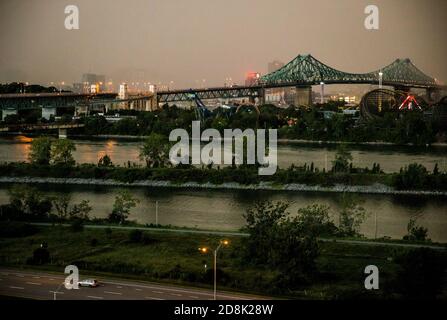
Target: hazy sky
column 185, row 41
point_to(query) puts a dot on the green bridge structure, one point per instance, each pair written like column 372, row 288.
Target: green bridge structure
column 303, row 72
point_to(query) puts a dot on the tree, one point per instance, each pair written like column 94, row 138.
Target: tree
column 342, row 160
column 105, row 161
column 40, row 151
column 61, row 152
column 314, row 220
column 416, row 232
column 415, row 176
column 61, row 205
column 352, row 215
column 29, row 201
column 81, row 210
column 78, row 211
column 155, row 150
column 277, row 241
column 121, row 207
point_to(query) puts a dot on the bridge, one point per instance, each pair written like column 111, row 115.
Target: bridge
column 302, row 72
column 305, row 71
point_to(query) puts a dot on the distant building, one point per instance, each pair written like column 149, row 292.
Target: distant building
column 90, row 79
column 275, row 65
column 124, row 92
column 80, row 87
column 252, row 78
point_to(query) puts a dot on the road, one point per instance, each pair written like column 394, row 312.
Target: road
column 43, row 286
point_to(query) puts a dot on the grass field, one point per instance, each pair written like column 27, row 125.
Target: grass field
column 175, row 258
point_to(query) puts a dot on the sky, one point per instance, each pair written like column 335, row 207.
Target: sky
column 189, row 41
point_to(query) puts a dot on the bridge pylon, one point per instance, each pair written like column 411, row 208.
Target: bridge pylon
column 303, row 96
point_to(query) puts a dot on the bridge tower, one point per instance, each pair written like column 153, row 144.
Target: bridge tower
column 303, row 96
column 433, row 94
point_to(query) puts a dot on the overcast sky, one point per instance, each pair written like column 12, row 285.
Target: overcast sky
column 188, row 40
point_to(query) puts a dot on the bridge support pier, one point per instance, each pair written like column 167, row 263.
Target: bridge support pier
column 433, row 94
column 8, row 112
column 303, row 96
column 62, row 133
column 47, row 112
column 261, row 96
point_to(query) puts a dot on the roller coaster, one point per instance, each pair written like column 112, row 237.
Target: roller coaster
column 376, row 103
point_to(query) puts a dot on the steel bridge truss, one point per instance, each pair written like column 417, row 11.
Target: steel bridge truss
column 306, row 70
column 211, row 93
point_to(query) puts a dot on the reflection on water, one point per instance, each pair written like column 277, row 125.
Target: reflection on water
column 391, row 158
column 223, row 210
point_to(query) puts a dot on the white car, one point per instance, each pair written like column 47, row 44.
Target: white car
column 91, row 283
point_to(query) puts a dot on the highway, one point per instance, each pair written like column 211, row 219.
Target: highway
column 45, row 286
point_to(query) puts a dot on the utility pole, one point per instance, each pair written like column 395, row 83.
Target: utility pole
column 156, row 212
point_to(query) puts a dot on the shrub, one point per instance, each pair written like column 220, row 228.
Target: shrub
column 40, row 256
column 135, row 236
column 94, row 242
column 416, row 233
column 77, row 225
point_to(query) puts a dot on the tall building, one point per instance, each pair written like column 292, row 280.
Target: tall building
column 252, row 78
column 275, row 65
column 124, row 92
column 90, row 79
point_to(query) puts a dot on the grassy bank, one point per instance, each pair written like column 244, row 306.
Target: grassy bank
column 174, row 258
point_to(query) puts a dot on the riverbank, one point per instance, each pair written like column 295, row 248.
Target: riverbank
column 339, row 188
column 280, row 141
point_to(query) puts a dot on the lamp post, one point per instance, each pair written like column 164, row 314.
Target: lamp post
column 380, row 93
column 322, row 92
column 380, row 79
column 205, row 250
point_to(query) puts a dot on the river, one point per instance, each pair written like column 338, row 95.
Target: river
column 223, row 209
column 391, row 158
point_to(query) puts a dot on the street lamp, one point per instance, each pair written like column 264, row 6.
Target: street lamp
column 380, row 79
column 380, row 93
column 205, row 250
column 322, row 92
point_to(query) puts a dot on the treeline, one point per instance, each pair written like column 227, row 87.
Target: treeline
column 53, row 159
column 413, row 177
column 16, row 87
column 31, row 205
column 292, row 123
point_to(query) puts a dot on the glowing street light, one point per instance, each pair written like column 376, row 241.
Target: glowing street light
column 380, row 79
column 205, row 250
column 322, row 92
column 380, row 93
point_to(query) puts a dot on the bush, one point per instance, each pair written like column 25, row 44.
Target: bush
column 77, row 225
column 314, row 220
column 94, row 242
column 416, row 233
column 135, row 236
column 40, row 256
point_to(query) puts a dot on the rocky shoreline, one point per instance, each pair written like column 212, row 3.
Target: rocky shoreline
column 338, row 188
